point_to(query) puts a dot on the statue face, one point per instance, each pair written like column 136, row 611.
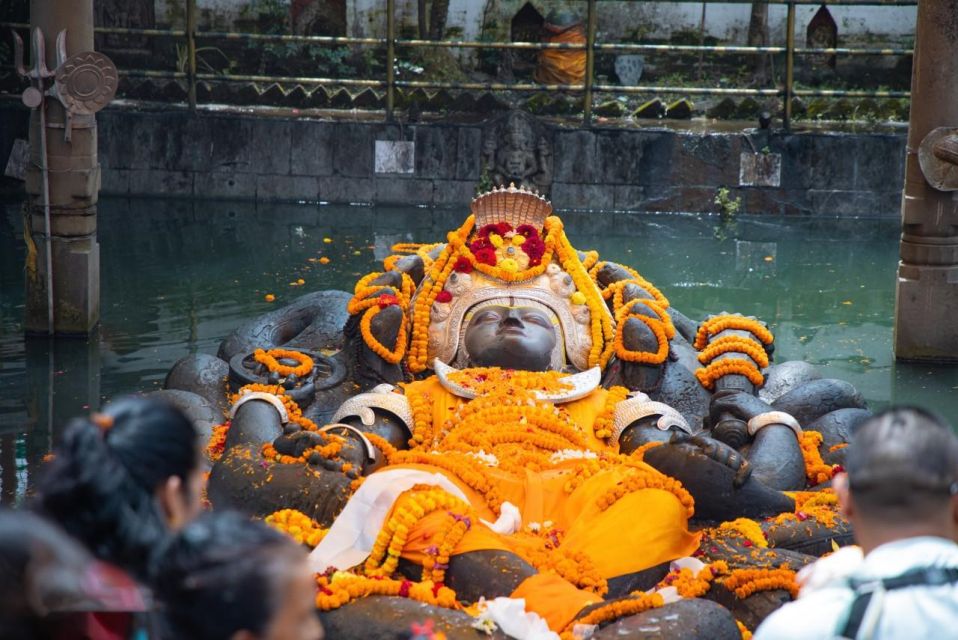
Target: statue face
column 516, row 163
column 511, row 338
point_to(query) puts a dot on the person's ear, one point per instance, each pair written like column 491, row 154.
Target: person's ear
column 845, row 502
column 172, row 503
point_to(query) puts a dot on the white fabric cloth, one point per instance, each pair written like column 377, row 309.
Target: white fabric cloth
column 511, row 617
column 912, row 613
column 354, row 531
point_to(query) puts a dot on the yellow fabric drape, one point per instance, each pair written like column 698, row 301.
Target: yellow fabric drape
column 642, row 529
column 562, row 66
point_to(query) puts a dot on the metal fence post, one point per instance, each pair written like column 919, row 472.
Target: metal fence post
column 390, row 59
column 789, row 65
column 191, row 51
column 589, row 65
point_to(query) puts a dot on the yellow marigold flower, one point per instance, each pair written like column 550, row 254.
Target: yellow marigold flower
column 518, row 240
column 509, row 264
column 495, row 239
column 577, row 298
column 270, row 297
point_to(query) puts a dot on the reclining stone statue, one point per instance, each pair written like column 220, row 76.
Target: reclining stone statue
column 507, row 416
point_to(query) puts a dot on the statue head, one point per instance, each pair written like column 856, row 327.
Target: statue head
column 516, row 163
column 519, row 134
column 512, row 337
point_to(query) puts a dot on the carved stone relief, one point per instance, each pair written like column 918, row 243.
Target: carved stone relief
column 516, row 149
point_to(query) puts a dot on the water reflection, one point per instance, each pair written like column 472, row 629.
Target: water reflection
column 179, row 275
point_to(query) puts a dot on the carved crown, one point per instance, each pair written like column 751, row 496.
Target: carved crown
column 513, row 205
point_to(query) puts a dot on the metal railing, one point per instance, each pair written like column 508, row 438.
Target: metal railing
column 588, row 87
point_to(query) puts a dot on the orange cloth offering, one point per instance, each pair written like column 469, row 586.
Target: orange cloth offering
column 587, row 512
column 562, row 66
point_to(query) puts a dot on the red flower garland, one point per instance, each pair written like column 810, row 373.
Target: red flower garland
column 443, row 296
column 463, row 265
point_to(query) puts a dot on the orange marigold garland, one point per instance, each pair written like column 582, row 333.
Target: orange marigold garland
column 411, row 507
column 746, row 634
column 729, row 366
column 484, row 380
column 661, row 334
column 392, row 356
column 745, row 582
column 816, row 470
column 634, row 605
column 603, row 422
column 694, row 585
column 736, row 344
column 640, row 479
column 272, row 357
column 718, row 354
column 342, row 588
column 717, row 324
column 297, row 525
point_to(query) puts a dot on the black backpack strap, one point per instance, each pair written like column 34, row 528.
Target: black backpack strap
column 927, row 576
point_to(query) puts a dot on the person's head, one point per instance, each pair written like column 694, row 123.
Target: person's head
column 41, row 568
column 122, row 480
column 224, row 577
column 901, row 477
column 512, row 337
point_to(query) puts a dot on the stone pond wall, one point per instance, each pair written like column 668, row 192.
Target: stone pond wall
column 226, row 155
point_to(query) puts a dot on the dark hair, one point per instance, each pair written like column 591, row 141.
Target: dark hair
column 100, row 486
column 41, row 569
column 222, row 574
column 903, row 462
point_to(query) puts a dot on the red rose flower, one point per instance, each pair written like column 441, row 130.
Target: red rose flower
column 480, row 243
column 502, row 228
column 387, row 300
column 463, row 265
column 535, row 249
column 486, row 255
column 443, row 296
column 527, row 231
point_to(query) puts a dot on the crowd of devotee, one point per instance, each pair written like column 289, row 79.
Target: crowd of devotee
column 114, row 542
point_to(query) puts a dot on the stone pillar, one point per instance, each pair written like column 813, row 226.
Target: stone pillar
column 927, row 292
column 74, row 179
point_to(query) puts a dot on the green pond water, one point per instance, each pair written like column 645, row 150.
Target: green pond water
column 178, row 276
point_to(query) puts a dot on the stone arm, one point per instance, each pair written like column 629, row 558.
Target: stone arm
column 370, row 368
column 724, row 484
column 242, row 479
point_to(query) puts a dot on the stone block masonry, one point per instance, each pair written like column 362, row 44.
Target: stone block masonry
column 174, row 153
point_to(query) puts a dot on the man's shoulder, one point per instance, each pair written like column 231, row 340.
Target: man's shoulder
column 815, row 615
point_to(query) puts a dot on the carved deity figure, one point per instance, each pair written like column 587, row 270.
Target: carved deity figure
column 517, row 156
column 529, row 425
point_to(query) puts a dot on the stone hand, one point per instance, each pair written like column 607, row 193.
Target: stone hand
column 296, row 444
column 719, row 452
column 743, row 406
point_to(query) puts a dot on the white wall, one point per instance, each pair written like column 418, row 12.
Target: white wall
column 727, row 22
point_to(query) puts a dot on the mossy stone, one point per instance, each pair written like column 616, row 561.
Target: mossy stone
column 610, row 109
column 651, row 109
column 681, row 109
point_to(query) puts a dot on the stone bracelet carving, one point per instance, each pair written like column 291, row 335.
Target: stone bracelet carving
column 774, row 417
column 265, row 397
